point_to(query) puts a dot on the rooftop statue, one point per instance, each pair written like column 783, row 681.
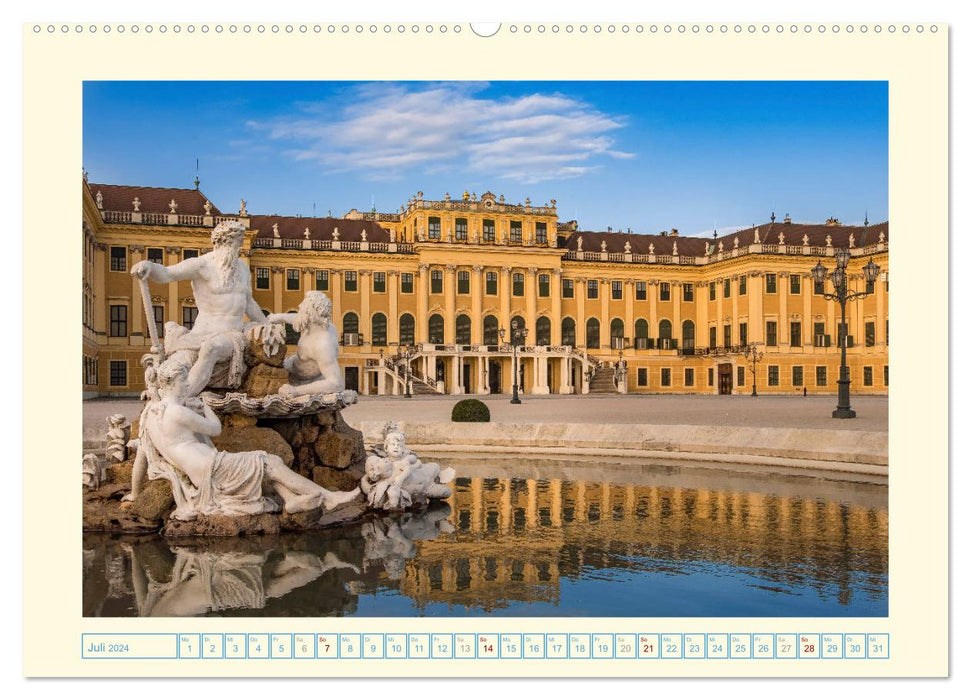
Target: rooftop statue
column 221, row 288
column 314, row 368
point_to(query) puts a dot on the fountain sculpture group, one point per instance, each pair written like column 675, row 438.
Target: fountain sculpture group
column 226, row 415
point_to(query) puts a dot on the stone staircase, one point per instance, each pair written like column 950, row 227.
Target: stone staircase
column 603, row 381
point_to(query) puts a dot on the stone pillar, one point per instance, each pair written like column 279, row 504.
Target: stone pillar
column 456, row 361
column 807, row 312
column 542, row 375
column 364, row 284
column 276, row 281
column 881, row 294
column 308, row 280
column 138, row 320
column 720, row 312
column 756, row 321
column 676, row 295
column 605, row 314
column 100, row 302
column 556, row 305
column 531, row 293
column 482, row 374
column 173, row 258
column 421, row 323
column 855, row 310
column 477, row 281
column 580, row 294
column 653, row 321
column 393, row 324
column 629, row 310
column 783, row 290
column 336, row 297
column 505, row 300
column 450, row 304
column 566, row 386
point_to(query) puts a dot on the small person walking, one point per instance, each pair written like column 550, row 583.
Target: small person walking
column 805, row 392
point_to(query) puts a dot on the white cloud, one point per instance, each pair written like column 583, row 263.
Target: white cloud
column 383, row 130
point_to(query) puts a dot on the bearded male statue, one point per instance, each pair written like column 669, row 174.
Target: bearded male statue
column 221, row 288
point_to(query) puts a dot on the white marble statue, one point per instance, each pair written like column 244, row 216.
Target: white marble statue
column 92, row 473
column 174, row 444
column 314, row 368
column 117, row 437
column 394, row 478
column 221, row 288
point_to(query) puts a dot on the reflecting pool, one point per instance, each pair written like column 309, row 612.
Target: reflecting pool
column 536, row 538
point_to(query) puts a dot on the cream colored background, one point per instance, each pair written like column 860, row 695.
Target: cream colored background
column 915, row 66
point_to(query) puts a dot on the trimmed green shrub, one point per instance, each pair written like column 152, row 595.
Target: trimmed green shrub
column 470, row 411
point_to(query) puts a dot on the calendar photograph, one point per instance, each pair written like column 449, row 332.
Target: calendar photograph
column 487, row 348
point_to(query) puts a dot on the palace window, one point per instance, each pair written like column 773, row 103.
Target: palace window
column 407, row 283
column 770, row 285
column 886, row 375
column 727, row 288
column 593, row 333
column 380, row 283
column 727, row 335
column 118, row 327
column 711, row 376
column 797, row 375
column 593, row 289
column 743, row 333
column 293, row 280
column 436, row 329
column 461, row 229
column 640, row 291
column 771, row 330
column 642, row 376
column 711, row 291
column 869, row 287
column 795, row 284
column 434, row 228
column 820, row 340
column 740, row 376
column 515, row 231
column 463, row 330
column 490, row 330
column 262, row 278
column 544, row 285
column 868, row 376
column 379, row 329
column 463, row 283
column 518, row 284
column 321, row 280
column 616, row 289
column 541, row 233
column 406, row 329
column 90, row 371
column 437, row 283
column 350, row 329
column 712, row 337
column 350, row 281
column 118, row 371
column 688, row 291
column 821, row 375
column 742, row 286
column 773, row 375
column 870, row 334
column 665, row 291
column 155, row 256
column 665, row 376
column 567, row 288
column 492, row 283
column 568, row 332
column 795, row 334
column 689, row 376
column 189, row 253
column 189, row 316
column 517, row 324
column 119, row 258
column 688, row 334
column 158, row 315
column 617, row 334
column 489, row 231
column 543, row 331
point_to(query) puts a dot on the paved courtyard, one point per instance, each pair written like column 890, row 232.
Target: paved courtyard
column 763, row 411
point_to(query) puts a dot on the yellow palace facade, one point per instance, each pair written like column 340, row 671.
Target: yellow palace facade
column 448, row 286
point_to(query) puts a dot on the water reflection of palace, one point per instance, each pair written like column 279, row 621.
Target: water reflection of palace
column 501, row 542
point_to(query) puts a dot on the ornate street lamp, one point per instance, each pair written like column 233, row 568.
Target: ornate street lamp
column 753, row 355
column 841, row 294
column 516, row 337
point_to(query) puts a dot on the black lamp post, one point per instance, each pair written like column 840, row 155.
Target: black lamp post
column 841, row 294
column 516, row 337
column 753, row 355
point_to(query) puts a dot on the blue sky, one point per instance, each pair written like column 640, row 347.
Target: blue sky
column 648, row 156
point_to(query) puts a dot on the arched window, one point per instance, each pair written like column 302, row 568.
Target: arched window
column 350, row 329
column 617, row 334
column 463, row 330
column 543, row 331
column 379, row 329
column 516, row 326
column 664, row 329
column 640, row 334
column 568, row 332
column 436, row 329
column 406, row 329
column 688, row 335
column 490, row 330
column 593, row 333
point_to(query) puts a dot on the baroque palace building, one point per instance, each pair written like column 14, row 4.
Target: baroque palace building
column 448, row 280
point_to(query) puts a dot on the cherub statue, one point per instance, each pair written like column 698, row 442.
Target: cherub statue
column 314, row 368
column 395, row 478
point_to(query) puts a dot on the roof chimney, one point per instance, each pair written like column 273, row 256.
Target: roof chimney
column 674, row 232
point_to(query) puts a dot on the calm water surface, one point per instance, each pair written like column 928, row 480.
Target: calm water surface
column 597, row 540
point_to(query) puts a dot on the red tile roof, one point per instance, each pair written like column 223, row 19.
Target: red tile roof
column 321, row 228
column 793, row 233
column 151, row 199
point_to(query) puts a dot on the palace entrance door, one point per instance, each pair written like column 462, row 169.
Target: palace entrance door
column 725, row 378
column 495, row 377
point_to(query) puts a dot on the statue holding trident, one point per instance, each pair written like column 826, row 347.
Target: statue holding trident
column 221, row 288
